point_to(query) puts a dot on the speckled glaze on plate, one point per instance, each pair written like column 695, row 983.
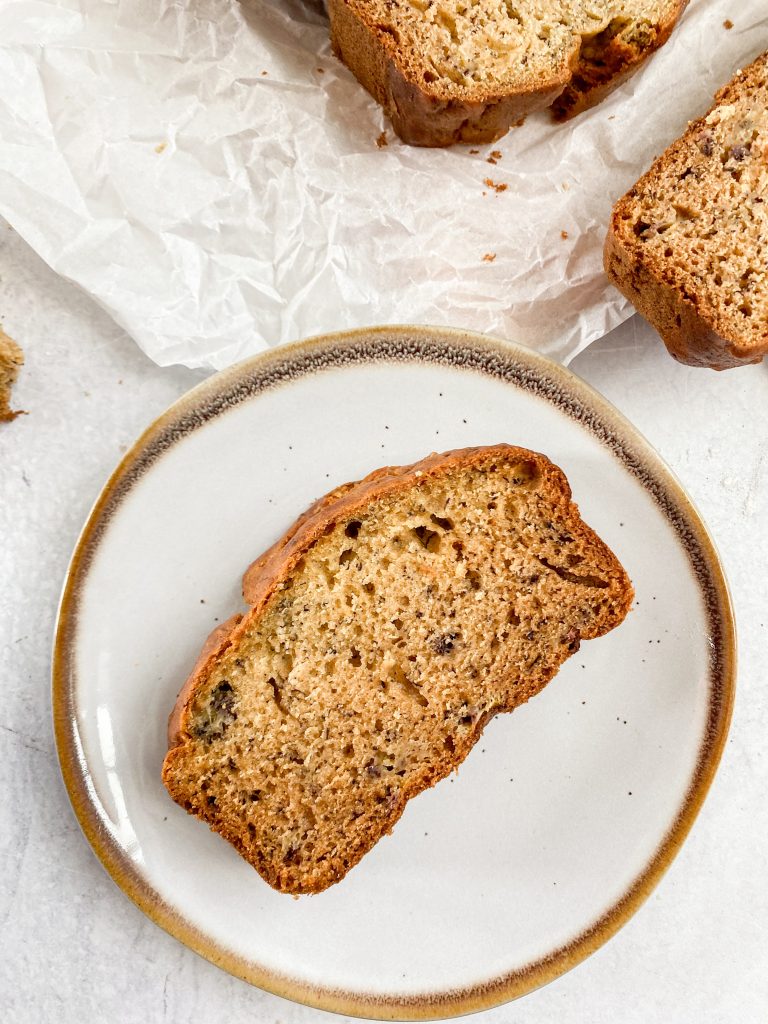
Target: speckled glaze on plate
column 567, row 812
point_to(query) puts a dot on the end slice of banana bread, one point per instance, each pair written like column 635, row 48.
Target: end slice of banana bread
column 688, row 244
column 389, row 625
column 446, row 71
column 11, row 361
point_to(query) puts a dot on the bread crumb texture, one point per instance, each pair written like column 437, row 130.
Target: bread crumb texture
column 688, row 244
column 456, row 71
column 388, row 626
column 11, row 361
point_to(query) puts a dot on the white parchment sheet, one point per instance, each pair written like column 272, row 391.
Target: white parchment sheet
column 212, row 176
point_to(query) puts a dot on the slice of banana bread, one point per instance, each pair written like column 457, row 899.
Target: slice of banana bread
column 688, row 244
column 11, row 361
column 447, row 71
column 392, row 622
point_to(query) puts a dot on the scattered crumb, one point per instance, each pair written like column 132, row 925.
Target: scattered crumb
column 566, row 186
column 485, row 193
column 320, row 71
column 159, row 148
column 497, row 187
column 489, row 257
column 496, row 154
column 728, row 24
column 611, row 117
column 474, row 152
column 563, row 235
column 381, row 140
column 265, row 72
column 11, row 361
column 490, row 160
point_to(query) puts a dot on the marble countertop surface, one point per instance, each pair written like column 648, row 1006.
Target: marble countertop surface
column 75, row 949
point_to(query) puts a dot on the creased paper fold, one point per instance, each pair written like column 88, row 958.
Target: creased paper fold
column 219, row 183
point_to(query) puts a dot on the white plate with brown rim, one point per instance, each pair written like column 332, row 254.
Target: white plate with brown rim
column 567, row 812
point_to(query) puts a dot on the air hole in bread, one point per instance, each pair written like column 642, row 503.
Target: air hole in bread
column 444, row 523
column 429, row 539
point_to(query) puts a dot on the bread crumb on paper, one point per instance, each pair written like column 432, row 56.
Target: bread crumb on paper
column 497, row 186
column 563, row 235
column 728, row 24
column 381, row 140
column 489, row 257
column 160, row 147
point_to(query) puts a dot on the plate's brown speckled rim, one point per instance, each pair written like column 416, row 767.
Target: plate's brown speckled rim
column 459, row 349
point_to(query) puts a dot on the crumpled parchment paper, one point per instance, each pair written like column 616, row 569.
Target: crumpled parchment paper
column 216, row 180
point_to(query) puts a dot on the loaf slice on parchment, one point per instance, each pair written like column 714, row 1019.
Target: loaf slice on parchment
column 388, row 626
column 688, row 244
column 448, row 71
column 11, row 361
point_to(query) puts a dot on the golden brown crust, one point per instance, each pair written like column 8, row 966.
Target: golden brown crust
column 433, row 117
column 687, row 323
column 11, row 361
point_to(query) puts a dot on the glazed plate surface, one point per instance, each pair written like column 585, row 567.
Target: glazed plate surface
column 566, row 813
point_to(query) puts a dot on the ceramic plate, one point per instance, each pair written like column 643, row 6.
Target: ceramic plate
column 567, row 812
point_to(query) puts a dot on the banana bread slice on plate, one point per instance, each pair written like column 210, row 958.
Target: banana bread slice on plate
column 395, row 619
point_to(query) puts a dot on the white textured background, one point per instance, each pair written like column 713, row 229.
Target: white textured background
column 74, row 949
